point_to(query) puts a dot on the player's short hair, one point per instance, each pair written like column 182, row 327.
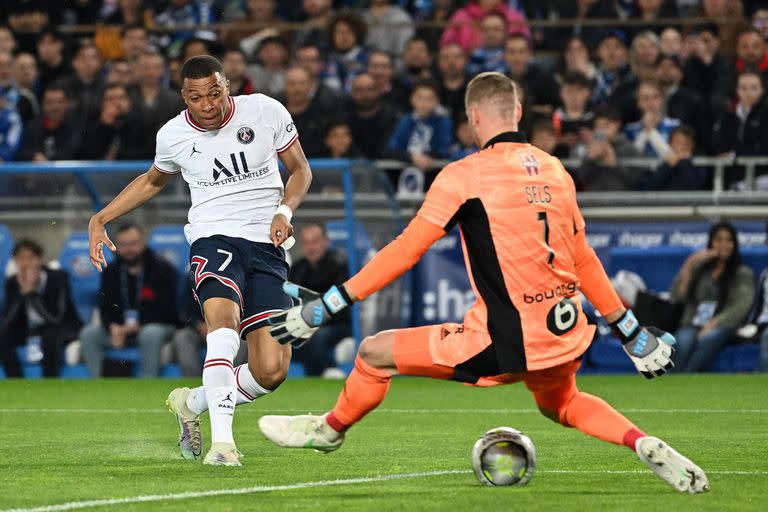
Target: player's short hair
column 495, row 88
column 201, row 66
column 29, row 245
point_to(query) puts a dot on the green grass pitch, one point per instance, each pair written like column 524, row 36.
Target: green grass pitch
column 79, row 441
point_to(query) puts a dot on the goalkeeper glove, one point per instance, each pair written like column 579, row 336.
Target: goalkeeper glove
column 649, row 348
column 297, row 324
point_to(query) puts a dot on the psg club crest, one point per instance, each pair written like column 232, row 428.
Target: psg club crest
column 245, row 135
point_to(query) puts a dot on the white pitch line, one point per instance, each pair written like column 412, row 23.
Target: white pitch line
column 161, row 410
column 77, row 505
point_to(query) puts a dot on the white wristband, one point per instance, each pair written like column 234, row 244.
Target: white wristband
column 284, row 210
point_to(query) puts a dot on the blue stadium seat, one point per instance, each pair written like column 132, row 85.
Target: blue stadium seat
column 6, row 248
column 755, row 258
column 169, row 242
column 338, row 236
column 656, row 265
column 83, row 277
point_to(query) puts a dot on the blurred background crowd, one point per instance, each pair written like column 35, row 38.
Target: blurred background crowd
column 602, row 81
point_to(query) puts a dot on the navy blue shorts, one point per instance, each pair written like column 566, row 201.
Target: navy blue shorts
column 249, row 273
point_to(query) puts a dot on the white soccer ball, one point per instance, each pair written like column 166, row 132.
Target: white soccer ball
column 504, row 456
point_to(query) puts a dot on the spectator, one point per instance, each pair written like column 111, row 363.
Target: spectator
column 615, row 82
column 128, row 12
column 452, row 64
column 570, row 120
column 650, row 134
column 175, row 82
column 317, row 16
column 348, row 59
column 424, row 134
column 7, row 40
column 706, row 71
column 683, row 103
column 465, row 143
column 574, row 57
column 744, row 130
column 120, row 72
column 543, row 137
column 118, row 133
column 392, row 91
column 541, row 87
column 649, row 11
column 644, row 54
column 489, row 56
column 319, row 269
column 194, row 47
column 56, row 135
column 234, row 64
column 758, row 316
column 463, row 27
column 717, row 291
column 671, row 43
column 678, row 171
column 154, row 102
column 338, row 141
column 10, row 92
column 260, row 18
column 268, row 75
column 25, row 76
column 184, row 13
column 38, row 304
column 371, row 120
column 28, row 19
column 50, row 54
column 309, row 58
column 578, row 12
column 309, row 116
column 137, row 303
column 606, row 146
column 134, row 43
column 760, row 22
column 86, row 85
column 729, row 16
column 417, row 62
column 11, row 131
column 752, row 55
column 389, row 27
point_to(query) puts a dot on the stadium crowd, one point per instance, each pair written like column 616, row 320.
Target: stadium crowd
column 385, row 79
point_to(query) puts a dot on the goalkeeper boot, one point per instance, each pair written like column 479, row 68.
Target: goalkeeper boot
column 670, row 466
column 190, row 435
column 304, row 431
column 223, row 454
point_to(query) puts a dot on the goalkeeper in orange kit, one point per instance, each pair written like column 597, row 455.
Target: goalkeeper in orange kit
column 527, row 257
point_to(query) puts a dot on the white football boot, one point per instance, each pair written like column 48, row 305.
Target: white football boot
column 223, row 454
column 305, row 431
column 670, row 466
column 190, row 435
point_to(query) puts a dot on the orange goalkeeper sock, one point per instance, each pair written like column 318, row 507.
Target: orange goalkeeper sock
column 364, row 390
column 595, row 417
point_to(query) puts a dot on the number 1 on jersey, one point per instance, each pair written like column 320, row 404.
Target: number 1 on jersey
column 551, row 256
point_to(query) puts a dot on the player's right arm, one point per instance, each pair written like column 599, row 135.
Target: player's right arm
column 138, row 192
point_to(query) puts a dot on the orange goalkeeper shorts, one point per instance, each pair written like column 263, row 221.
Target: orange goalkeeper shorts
column 450, row 351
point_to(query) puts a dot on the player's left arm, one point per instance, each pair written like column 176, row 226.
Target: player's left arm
column 649, row 348
column 299, row 179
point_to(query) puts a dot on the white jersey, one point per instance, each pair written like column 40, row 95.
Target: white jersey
column 232, row 172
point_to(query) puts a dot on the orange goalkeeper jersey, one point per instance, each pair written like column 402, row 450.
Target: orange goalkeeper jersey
column 524, row 248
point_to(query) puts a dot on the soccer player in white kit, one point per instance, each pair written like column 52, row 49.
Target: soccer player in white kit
column 226, row 149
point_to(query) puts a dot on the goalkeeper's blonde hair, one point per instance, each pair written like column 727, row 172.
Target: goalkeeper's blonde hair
column 494, row 91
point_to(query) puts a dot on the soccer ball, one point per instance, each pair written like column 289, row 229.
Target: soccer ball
column 504, row 456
